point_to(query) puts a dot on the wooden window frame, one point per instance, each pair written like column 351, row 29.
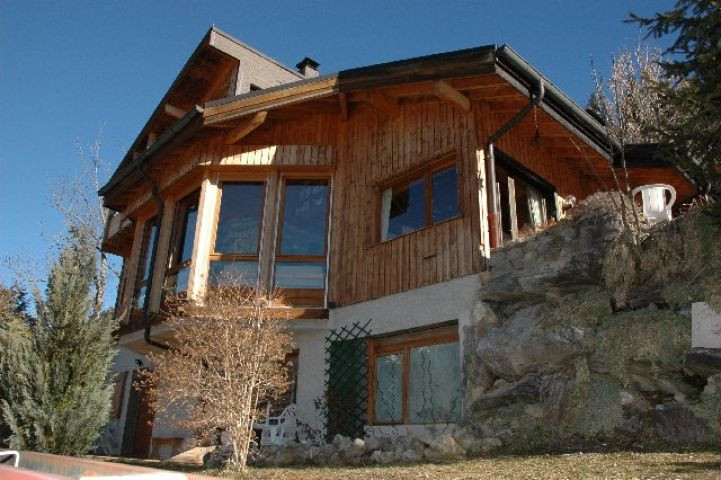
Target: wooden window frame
column 314, row 297
column 425, row 172
column 180, row 227
column 145, row 250
column 517, row 172
column 402, row 344
column 235, row 257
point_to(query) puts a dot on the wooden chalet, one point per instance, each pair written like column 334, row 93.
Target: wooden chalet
column 376, row 193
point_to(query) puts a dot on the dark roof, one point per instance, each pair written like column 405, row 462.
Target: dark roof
column 488, row 59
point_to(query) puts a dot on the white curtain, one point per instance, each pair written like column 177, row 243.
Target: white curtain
column 536, row 207
column 386, row 198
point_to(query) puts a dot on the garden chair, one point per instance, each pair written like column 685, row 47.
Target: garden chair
column 278, row 430
column 655, row 207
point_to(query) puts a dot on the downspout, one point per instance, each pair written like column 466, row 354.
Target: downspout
column 154, row 252
column 493, row 217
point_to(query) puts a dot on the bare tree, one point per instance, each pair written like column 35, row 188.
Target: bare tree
column 628, row 100
column 76, row 198
column 227, row 355
column 630, row 106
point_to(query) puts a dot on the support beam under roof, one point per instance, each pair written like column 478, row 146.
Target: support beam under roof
column 245, row 127
column 445, row 92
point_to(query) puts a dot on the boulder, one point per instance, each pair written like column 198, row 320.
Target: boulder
column 410, row 456
column 372, row 444
column 713, row 385
column 491, row 443
column 352, row 451
column 703, row 362
column 443, row 448
column 381, row 457
column 520, row 346
column 483, row 318
column 467, row 439
column 218, row 458
column 678, row 425
column 341, row 442
column 526, row 389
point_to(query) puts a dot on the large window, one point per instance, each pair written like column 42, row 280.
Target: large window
column 181, row 245
column 423, row 198
column 237, row 234
column 150, row 230
column 301, row 243
column 526, row 200
column 416, row 379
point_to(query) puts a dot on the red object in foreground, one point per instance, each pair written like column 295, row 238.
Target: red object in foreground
column 45, row 466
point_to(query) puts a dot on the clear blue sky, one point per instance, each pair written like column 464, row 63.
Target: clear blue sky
column 67, row 67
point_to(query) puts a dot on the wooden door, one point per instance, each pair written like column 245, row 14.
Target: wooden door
column 138, row 423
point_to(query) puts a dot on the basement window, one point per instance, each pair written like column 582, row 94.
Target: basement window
column 234, row 258
column 181, row 245
column 422, row 198
column 416, row 378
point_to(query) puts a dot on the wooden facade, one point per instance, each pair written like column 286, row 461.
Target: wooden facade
column 359, row 141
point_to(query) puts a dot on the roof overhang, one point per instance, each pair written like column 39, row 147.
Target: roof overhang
column 486, row 60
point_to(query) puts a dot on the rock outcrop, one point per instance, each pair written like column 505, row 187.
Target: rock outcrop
column 556, row 363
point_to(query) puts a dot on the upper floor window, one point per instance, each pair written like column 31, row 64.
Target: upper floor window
column 426, row 197
column 237, row 234
column 181, row 245
column 526, row 201
column 301, row 245
column 150, row 230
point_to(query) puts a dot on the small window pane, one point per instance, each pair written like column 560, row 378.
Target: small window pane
column 148, row 249
column 224, row 272
column 304, row 218
column 389, row 388
column 179, row 282
column 300, row 275
column 444, row 186
column 188, row 236
column 434, row 388
column 239, row 218
column 140, row 297
column 403, row 209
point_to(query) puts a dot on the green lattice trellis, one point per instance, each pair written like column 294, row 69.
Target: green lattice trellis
column 347, row 380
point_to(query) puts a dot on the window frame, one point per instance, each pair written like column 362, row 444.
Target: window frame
column 145, row 250
column 313, row 297
column 234, row 257
column 520, row 173
column 402, row 344
column 425, row 171
column 180, row 227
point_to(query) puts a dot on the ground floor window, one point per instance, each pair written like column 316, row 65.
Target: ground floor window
column 416, row 378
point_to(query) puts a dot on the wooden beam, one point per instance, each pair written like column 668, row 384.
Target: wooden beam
column 343, row 101
column 449, row 94
column 247, row 126
column 173, row 111
column 385, row 104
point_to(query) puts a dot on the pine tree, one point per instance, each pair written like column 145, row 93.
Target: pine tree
column 57, row 389
column 13, row 322
column 693, row 137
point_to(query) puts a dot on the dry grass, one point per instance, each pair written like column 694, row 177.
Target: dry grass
column 625, row 465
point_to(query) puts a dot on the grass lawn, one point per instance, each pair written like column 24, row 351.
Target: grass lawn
column 698, row 465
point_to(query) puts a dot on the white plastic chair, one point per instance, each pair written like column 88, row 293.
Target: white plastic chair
column 10, row 453
column 655, row 208
column 278, row 430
